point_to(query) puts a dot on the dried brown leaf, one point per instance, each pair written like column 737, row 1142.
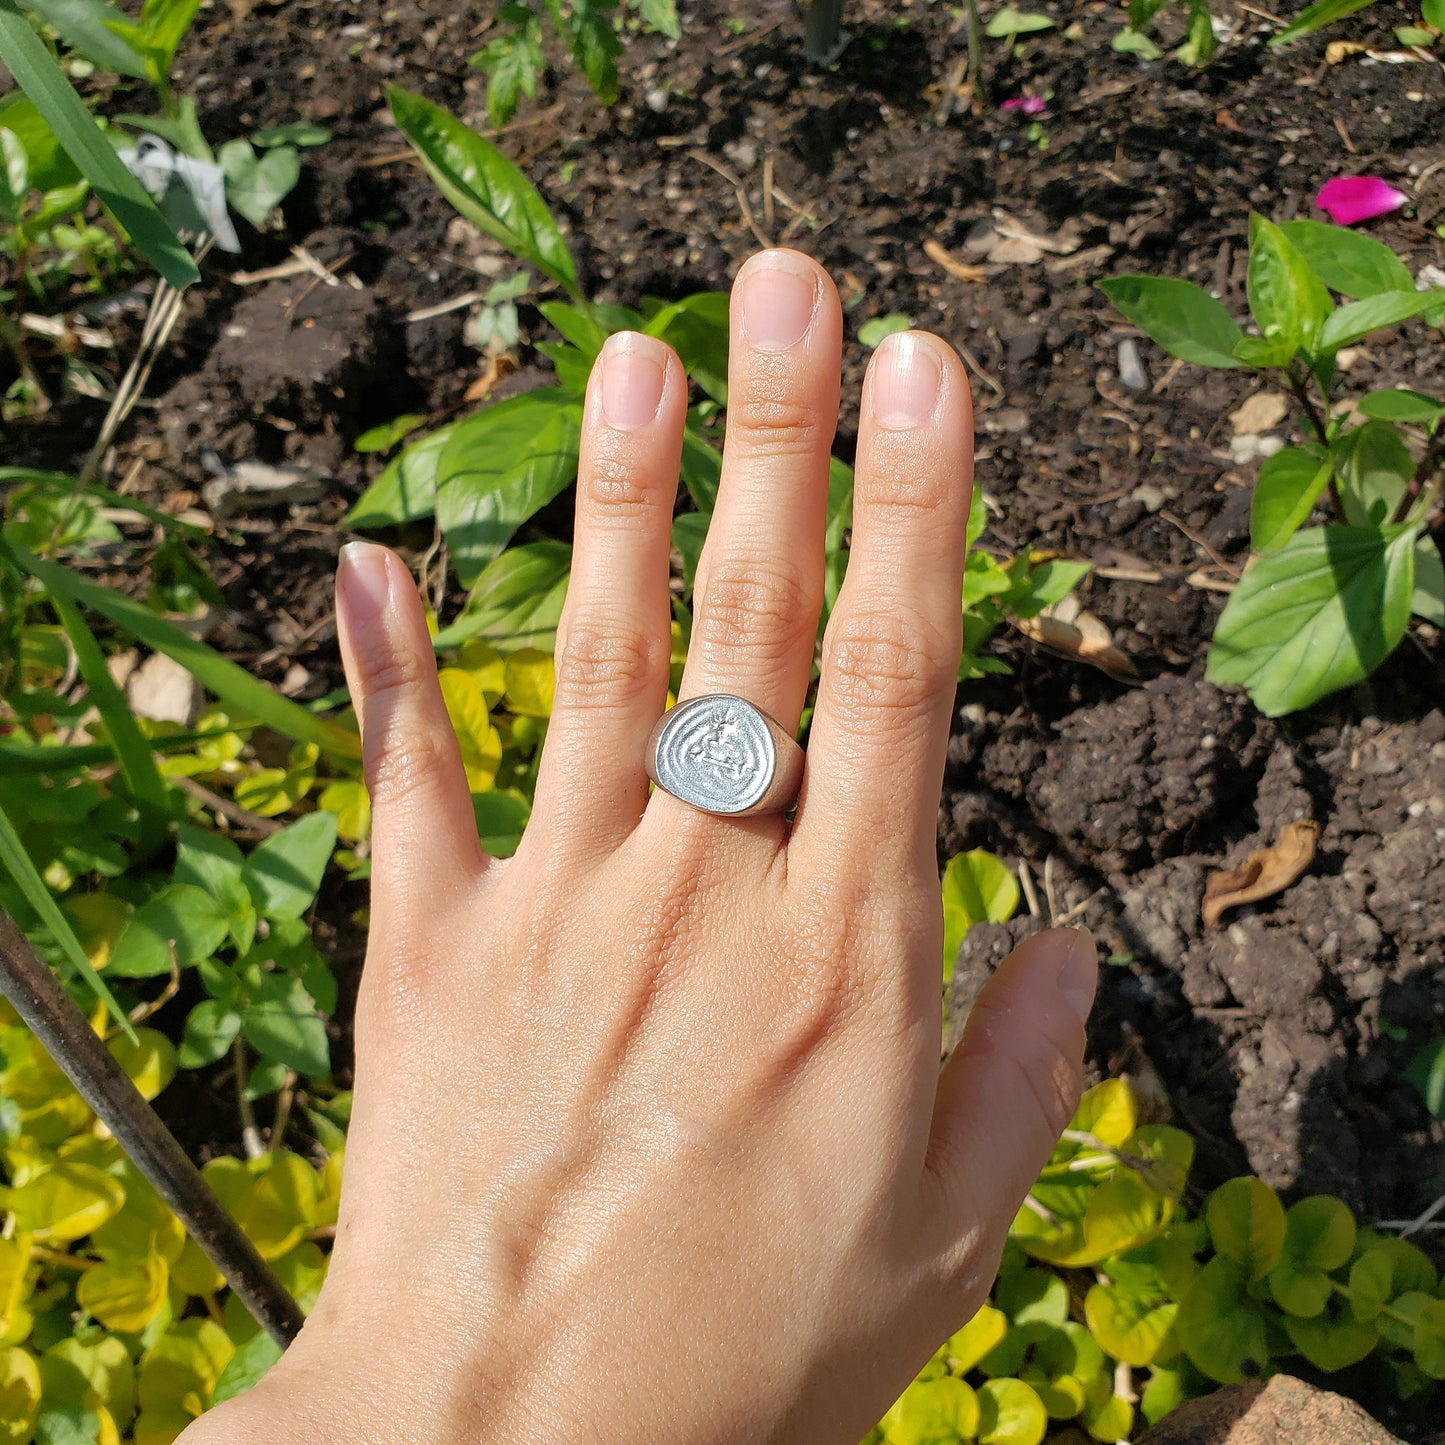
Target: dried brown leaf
column 1067, row 628
column 959, row 270
column 496, row 370
column 1264, row 873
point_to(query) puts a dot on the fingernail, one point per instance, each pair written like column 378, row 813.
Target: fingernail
column 633, row 369
column 1079, row 973
column 779, row 297
column 364, row 582
column 905, row 381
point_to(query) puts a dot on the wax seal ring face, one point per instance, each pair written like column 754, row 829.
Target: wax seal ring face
column 716, row 752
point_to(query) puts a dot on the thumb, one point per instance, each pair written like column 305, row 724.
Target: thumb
column 1014, row 1081
column 424, row 833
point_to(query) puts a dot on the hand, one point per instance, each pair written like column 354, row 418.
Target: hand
column 649, row 1139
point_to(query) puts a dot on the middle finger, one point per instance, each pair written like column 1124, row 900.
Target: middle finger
column 760, row 579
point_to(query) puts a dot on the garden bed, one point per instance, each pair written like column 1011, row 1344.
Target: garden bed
column 1278, row 1038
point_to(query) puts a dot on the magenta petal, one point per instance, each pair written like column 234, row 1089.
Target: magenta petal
column 1350, row 199
column 1028, row 104
column 1017, row 103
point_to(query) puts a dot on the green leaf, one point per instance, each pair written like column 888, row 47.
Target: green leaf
column 1434, row 13
column 660, row 15
column 1319, row 1238
column 214, row 863
column 1008, row 22
column 285, row 870
column 1129, row 41
column 1285, row 492
column 210, row 1030
column 1375, row 467
column 231, row 683
column 136, row 759
column 294, row 133
column 14, row 176
column 1221, row 1329
column 250, row 1362
column 1010, row 1413
column 1287, row 300
column 588, row 28
column 407, row 490
column 179, row 921
column 1427, row 601
column 511, row 61
column 872, row 331
column 982, row 1334
column 1427, row 1072
column 1359, row 318
column 701, row 470
column 697, row 329
column 281, row 1022
column 517, row 598
column 1347, row 261
column 977, row 888
column 576, row 326
column 1316, row 17
column 1319, row 614
column 1330, row 1344
column 95, row 31
column 1131, row 1326
column 256, row 185
column 499, row 468
column 16, row 861
column 66, row 1201
column 934, row 1412
column 1247, row 1225
column 42, row 80
column 1181, row 317
column 1401, row 405
column 49, row 168
column 484, row 186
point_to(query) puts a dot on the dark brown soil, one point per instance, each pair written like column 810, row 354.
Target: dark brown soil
column 1279, row 1037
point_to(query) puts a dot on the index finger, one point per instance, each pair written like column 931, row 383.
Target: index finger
column 891, row 650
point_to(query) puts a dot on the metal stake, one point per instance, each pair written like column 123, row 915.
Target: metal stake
column 69, row 1039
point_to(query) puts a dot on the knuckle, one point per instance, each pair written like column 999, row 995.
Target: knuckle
column 776, row 426
column 614, row 491
column 912, row 489
column 600, row 664
column 887, row 664
column 407, row 758
column 769, row 608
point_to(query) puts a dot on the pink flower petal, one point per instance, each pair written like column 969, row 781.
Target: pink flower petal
column 1350, row 199
column 1028, row 104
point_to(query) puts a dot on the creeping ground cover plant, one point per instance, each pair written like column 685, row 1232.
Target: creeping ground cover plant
column 1320, row 606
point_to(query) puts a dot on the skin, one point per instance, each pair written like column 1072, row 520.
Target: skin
column 650, row 1141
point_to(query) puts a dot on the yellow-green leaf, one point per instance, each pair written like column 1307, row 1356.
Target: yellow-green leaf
column 1247, row 1224
column 531, row 681
column 934, row 1412
column 487, row 665
column 481, row 744
column 351, row 803
column 149, row 1060
column 977, row 888
column 19, row 1395
column 194, row 1273
column 1010, row 1413
column 66, row 1202
column 124, row 1296
column 1107, row 1111
column 980, row 1335
column 281, row 1206
column 182, row 1367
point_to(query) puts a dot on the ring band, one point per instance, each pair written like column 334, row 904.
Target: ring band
column 722, row 755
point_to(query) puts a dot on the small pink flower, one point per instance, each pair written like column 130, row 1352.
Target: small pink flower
column 1027, row 104
column 1350, row 199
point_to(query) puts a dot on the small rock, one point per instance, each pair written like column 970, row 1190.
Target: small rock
column 1286, row 1411
column 1248, row 448
column 1131, row 366
column 1023, row 346
column 1150, row 497
column 1258, row 414
column 1010, row 419
column 656, row 100
column 742, row 153
column 164, row 691
column 253, row 484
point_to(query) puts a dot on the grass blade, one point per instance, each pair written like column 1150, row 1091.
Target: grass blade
column 41, row 79
column 16, row 861
column 232, row 684
column 136, row 759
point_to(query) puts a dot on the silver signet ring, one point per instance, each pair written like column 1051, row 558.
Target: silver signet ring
column 723, row 755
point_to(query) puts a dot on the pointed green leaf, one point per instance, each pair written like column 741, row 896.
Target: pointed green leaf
column 484, row 186
column 1319, row 614
column 1359, row 318
column 1181, row 317
column 1285, row 492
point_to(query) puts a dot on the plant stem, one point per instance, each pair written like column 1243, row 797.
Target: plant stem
column 1301, row 394
column 977, row 88
column 1434, row 452
column 250, row 1134
column 66, row 1035
column 15, row 345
